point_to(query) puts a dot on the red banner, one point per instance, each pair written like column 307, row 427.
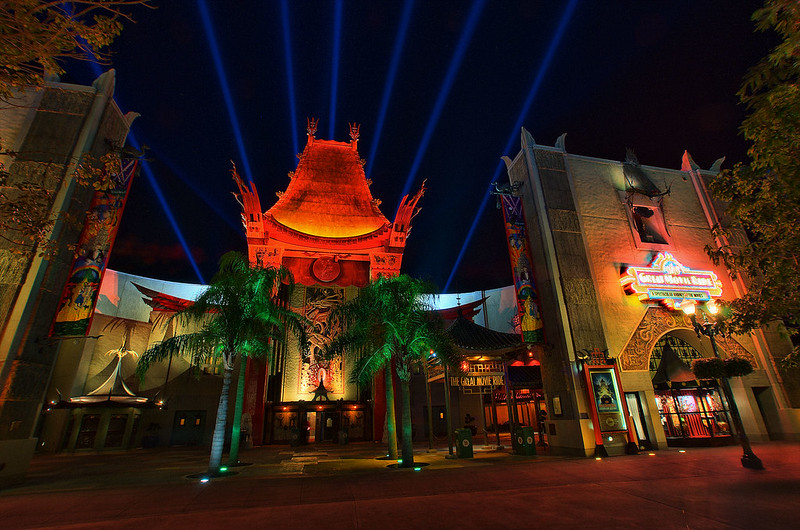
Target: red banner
column 76, row 307
column 524, row 286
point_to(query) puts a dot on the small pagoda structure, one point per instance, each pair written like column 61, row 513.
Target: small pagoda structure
column 328, row 230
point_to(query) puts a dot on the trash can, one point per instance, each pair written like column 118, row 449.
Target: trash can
column 463, row 443
column 294, row 437
column 344, row 437
column 525, row 441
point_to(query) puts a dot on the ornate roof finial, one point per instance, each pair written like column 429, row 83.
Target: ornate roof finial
column 311, row 127
column 354, row 129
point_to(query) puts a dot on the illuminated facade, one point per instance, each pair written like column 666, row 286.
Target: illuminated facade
column 328, row 230
column 615, row 258
column 50, row 129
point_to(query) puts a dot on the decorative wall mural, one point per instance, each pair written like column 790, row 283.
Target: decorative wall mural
column 313, row 366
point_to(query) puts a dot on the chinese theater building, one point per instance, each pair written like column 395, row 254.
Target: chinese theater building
column 617, row 263
column 327, row 229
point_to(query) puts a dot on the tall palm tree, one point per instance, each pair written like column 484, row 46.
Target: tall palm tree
column 391, row 323
column 238, row 317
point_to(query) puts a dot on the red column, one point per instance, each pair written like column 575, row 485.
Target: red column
column 254, row 398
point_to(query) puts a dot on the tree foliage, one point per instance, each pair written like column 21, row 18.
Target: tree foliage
column 237, row 316
column 26, row 218
column 763, row 195
column 36, row 36
column 390, row 324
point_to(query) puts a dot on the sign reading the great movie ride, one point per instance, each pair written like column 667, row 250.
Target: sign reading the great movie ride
column 667, row 281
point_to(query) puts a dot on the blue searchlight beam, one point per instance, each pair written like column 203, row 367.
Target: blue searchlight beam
column 548, row 58
column 151, row 179
column 287, row 56
column 337, row 37
column 399, row 43
column 444, row 91
column 223, row 83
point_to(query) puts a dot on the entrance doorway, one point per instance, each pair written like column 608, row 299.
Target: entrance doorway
column 330, row 426
column 693, row 413
column 690, row 414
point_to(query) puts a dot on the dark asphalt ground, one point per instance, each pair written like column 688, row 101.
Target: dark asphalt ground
column 327, row 487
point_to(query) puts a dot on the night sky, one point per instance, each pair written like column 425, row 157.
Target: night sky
column 658, row 77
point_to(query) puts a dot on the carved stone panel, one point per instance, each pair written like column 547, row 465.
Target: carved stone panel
column 314, row 366
column 654, row 324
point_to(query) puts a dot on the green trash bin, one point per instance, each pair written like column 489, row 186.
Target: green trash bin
column 463, row 443
column 525, row 441
column 343, row 437
column 516, row 439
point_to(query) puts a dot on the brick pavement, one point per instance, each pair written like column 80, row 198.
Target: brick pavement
column 347, row 487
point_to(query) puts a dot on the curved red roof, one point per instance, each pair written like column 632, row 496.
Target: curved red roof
column 329, row 195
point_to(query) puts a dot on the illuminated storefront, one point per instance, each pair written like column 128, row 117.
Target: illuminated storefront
column 691, row 413
column 618, row 251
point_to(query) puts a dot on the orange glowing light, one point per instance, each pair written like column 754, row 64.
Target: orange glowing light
column 329, row 195
column 671, row 283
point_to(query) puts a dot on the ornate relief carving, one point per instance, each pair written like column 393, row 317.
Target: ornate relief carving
column 732, row 348
column 384, row 264
column 654, row 324
column 265, row 256
column 314, row 366
column 656, row 321
column 326, row 269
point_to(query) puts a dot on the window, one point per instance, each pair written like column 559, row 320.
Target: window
column 646, row 218
column 683, row 349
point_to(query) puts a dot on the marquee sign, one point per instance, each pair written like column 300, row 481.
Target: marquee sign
column 478, row 380
column 485, row 373
column 669, row 282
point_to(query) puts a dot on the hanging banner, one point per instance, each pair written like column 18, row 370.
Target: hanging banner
column 528, row 309
column 76, row 307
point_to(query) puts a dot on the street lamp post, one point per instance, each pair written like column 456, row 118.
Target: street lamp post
column 710, row 329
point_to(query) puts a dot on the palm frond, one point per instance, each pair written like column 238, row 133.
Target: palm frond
column 193, row 346
column 390, row 318
column 238, row 314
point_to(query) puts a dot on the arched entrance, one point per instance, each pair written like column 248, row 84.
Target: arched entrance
column 691, row 413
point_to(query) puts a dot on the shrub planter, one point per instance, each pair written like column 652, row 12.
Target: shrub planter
column 712, row 368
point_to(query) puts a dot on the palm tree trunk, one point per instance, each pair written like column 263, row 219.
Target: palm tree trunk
column 408, row 445
column 391, row 420
column 219, row 428
column 236, row 428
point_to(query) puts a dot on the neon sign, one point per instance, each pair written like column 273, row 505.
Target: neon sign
column 669, row 282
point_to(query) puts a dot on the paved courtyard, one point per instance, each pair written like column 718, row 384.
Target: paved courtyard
column 331, row 487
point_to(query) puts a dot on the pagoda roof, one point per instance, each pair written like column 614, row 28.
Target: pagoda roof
column 328, row 195
column 474, row 338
